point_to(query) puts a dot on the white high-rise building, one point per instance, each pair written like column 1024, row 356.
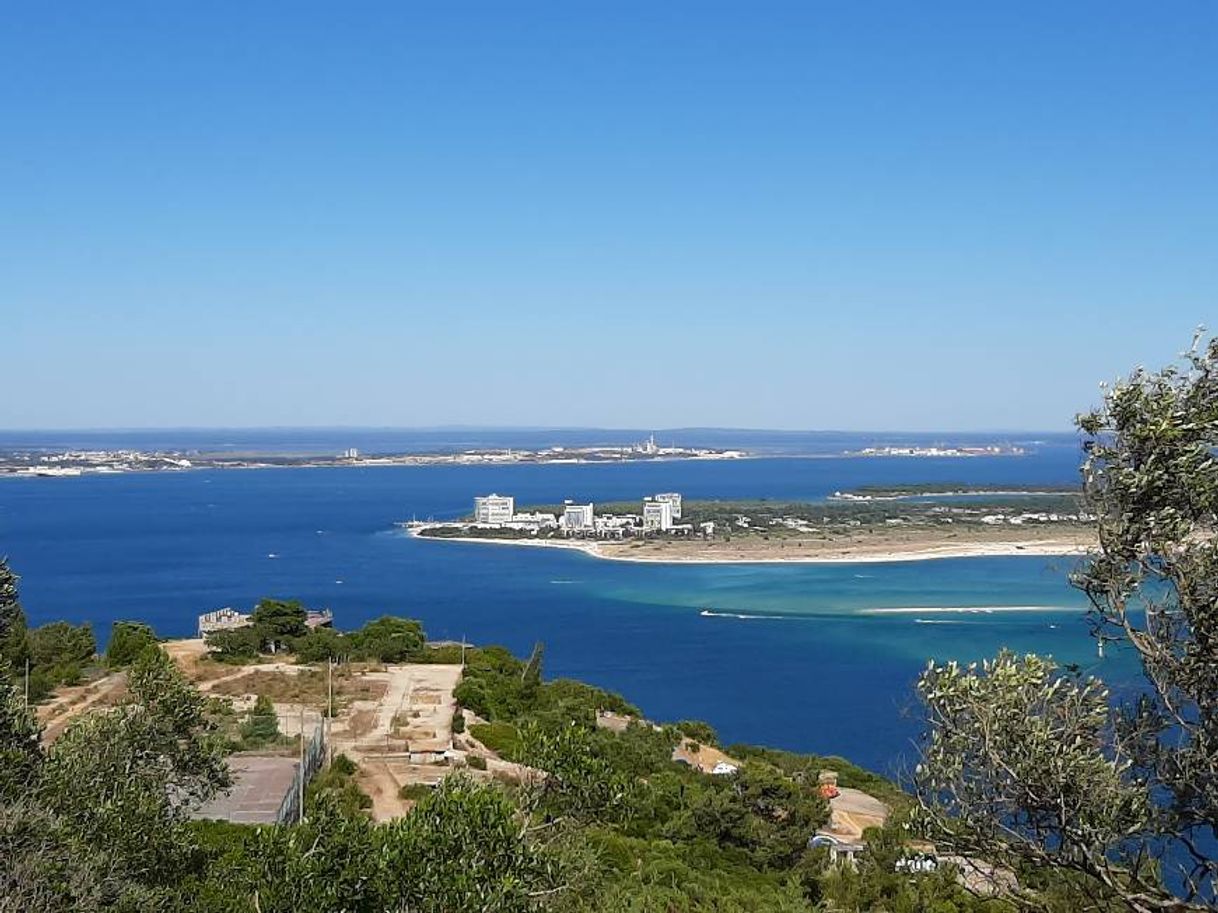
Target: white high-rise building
column 494, row 509
column 672, row 498
column 577, row 517
column 657, row 515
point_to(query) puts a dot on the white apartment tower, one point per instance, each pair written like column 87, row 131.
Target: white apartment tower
column 657, row 515
column 494, row 509
column 672, row 498
column 576, row 517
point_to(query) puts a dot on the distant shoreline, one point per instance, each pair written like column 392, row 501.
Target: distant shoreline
column 928, row 552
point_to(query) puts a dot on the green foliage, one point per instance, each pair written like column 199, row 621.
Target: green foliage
column 501, row 738
column 807, row 767
column 415, row 791
column 14, row 643
column 703, row 733
column 461, row 849
column 58, row 652
column 660, row 876
column 1041, row 771
column 336, row 784
column 758, row 810
column 102, row 822
column 128, row 639
column 458, row 723
column 388, row 640
column 878, row 884
column 235, row 645
column 279, row 619
column 476, row 761
column 261, row 726
column 498, row 686
column 321, row 645
column 20, row 751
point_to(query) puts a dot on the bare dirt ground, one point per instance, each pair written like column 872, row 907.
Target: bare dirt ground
column 704, row 759
column 69, row 703
column 852, row 811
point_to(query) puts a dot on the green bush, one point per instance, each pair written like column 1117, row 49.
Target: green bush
column 458, row 721
column 476, row 761
column 415, row 792
column 344, row 766
column 700, row 732
column 235, row 645
column 128, row 639
column 388, row 639
column 321, row 645
column 261, row 726
column 60, row 644
column 501, row 738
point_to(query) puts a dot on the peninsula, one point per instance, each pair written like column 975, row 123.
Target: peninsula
column 50, row 464
column 849, row 526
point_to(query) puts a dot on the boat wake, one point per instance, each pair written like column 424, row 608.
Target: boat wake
column 969, row 610
column 707, row 613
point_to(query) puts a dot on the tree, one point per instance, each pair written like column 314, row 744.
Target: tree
column 128, row 639
column 465, row 847
column 279, row 620
column 1028, row 765
column 14, row 644
column 389, row 639
column 59, row 650
column 234, row 645
column 20, row 752
column 100, row 820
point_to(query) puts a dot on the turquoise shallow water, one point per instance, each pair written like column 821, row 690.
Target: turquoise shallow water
column 807, row 667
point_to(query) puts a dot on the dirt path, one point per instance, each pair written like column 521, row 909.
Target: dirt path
column 72, row 702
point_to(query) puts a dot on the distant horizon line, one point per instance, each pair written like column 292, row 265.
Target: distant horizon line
column 529, row 428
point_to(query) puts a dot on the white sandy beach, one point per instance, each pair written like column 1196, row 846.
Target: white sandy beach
column 612, row 552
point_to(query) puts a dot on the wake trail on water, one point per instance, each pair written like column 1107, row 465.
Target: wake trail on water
column 707, row 613
column 969, row 610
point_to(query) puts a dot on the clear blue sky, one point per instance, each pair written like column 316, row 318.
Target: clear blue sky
column 802, row 215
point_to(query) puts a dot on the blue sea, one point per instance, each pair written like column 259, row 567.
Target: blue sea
column 786, row 655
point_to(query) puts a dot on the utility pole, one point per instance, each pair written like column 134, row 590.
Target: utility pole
column 27, row 683
column 300, row 795
column 329, row 712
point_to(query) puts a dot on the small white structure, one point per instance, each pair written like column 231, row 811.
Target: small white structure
column 577, row 517
column 494, row 509
column 723, row 769
column 672, row 498
column 657, row 516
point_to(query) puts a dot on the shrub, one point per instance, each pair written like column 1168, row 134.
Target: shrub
column 261, row 726
column 320, row 645
column 236, row 645
column 698, row 731
column 62, row 644
column 389, row 639
column 476, row 761
column 458, row 721
column 344, row 766
column 414, row 792
column 501, row 738
column 128, row 639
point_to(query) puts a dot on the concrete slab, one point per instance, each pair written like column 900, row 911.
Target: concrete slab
column 259, row 787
